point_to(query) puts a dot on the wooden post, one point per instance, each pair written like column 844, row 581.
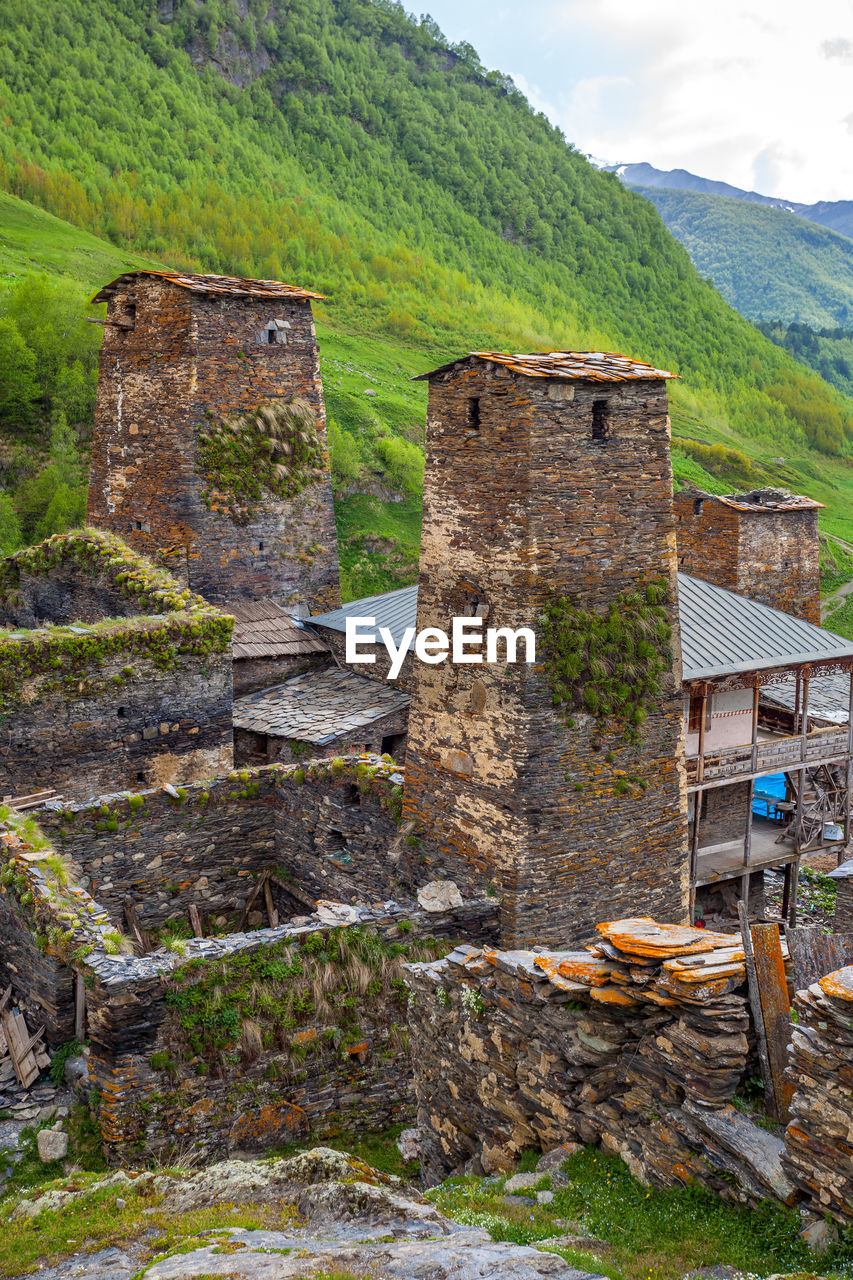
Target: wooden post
column 795, row 885
column 694, row 852
column 700, row 764
column 797, row 702
column 805, row 714
column 755, row 696
column 195, row 921
column 775, row 1012
column 848, row 777
column 755, row 1004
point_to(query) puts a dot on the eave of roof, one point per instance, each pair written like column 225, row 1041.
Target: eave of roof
column 580, row 366
column 235, row 286
column 722, row 634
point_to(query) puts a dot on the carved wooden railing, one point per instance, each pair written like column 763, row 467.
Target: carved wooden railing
column 774, row 754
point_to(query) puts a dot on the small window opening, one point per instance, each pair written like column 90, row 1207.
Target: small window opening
column 335, row 840
column 121, row 711
column 260, row 546
column 473, row 417
column 137, row 524
column 271, row 336
column 140, row 777
column 600, row 420
column 350, row 796
column 697, row 506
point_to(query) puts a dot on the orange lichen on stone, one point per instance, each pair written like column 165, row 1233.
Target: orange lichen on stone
column 643, row 936
column 611, row 995
column 839, row 984
column 304, row 1037
column 578, row 965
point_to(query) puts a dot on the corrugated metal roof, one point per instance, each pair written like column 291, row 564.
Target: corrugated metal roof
column 721, row 633
column 318, row 707
column 591, row 366
column 263, row 630
column 234, row 285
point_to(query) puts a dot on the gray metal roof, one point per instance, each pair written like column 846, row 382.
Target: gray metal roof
column 318, row 707
column 721, row 633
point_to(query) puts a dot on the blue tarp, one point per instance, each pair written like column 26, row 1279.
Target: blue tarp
column 772, row 785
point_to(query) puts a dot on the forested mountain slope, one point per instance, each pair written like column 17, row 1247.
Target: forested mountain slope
column 344, row 145
column 769, row 264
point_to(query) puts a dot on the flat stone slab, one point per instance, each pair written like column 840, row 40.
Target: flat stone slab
column 466, row 1255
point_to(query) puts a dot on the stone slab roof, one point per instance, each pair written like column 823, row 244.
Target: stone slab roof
column 318, row 707
column 757, row 500
column 829, row 696
column 721, row 633
column 581, row 366
column 264, row 630
column 234, row 285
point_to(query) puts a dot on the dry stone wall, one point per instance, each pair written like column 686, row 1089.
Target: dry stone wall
column 125, row 680
column 514, row 1049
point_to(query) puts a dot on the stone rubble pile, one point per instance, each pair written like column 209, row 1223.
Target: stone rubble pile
column 819, row 1138
column 638, row 1042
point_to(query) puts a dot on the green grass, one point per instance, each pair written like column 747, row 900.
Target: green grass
column 33, row 240
column 650, row 1234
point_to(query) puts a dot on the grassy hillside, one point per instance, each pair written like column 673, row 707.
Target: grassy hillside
column 769, row 264
column 341, row 144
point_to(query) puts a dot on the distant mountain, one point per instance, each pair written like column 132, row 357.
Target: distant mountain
column 835, row 214
column 768, row 263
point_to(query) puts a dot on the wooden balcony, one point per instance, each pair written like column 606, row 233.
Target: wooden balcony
column 772, row 755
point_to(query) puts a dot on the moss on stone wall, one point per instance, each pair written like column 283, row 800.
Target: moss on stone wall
column 609, row 666
column 274, row 449
column 60, row 659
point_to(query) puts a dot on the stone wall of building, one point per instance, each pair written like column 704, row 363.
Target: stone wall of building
column 514, row 792
column 129, row 685
column 769, row 555
column 253, row 674
column 43, row 983
column 190, row 357
column 516, row 1049
column 385, row 736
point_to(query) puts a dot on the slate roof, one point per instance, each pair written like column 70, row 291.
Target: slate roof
column 581, row 366
column 264, row 630
column 829, row 696
column 756, row 500
column 721, row 633
column 318, row 707
column 234, row 285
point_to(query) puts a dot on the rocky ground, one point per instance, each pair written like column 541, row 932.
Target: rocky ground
column 360, row 1223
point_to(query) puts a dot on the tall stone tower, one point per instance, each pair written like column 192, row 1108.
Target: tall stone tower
column 209, row 450
column 548, row 479
column 763, row 544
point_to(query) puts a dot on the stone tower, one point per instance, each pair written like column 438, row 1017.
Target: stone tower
column 200, row 457
column 548, row 476
column 762, row 544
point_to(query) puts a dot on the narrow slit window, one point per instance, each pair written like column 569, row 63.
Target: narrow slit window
column 473, row 413
column 271, row 336
column 600, row 420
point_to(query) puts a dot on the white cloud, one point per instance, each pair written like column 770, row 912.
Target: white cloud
column 736, row 90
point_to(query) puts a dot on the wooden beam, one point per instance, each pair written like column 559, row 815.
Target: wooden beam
column 79, row 1008
column 755, row 1005
column 775, row 1011
column 272, row 914
column 252, row 899
column 140, row 937
column 195, row 921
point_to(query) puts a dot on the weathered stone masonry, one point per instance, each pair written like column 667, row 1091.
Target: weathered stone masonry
column 177, row 349
column 763, row 545
column 88, row 705
column 535, row 484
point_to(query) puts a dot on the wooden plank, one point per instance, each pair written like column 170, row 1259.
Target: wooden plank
column 272, row 914
column 757, row 1013
column 195, row 921
column 253, row 897
column 814, row 954
column 776, row 1011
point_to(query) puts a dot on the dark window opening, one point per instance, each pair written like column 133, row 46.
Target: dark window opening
column 335, row 840
column 473, row 419
column 393, row 745
column 271, row 336
column 121, row 711
column 140, row 777
column 600, row 420
column 697, row 506
column 260, row 546
column 350, row 796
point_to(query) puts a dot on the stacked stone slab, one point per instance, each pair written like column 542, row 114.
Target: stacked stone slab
column 630, row 1043
column 546, row 473
column 819, row 1138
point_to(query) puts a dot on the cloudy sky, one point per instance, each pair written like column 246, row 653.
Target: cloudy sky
column 758, row 93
